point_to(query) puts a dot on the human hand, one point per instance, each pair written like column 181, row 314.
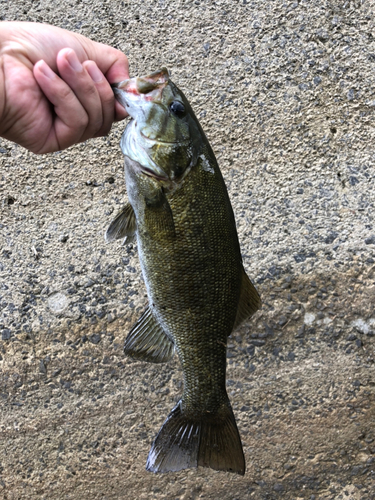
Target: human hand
column 55, row 86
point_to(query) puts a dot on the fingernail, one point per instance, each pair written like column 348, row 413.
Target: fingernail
column 94, row 72
column 73, row 61
column 46, row 70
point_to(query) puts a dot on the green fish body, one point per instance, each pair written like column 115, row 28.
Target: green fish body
column 188, row 247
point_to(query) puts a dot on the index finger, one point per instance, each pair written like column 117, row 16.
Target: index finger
column 119, row 70
column 113, row 64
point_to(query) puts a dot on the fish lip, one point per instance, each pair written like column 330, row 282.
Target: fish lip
column 115, row 86
column 144, row 84
column 116, row 89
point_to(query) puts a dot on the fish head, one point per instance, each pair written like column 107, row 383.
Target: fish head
column 164, row 134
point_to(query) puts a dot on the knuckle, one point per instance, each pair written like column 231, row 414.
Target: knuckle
column 97, row 126
column 104, row 130
column 123, row 57
column 93, row 128
column 107, row 96
column 82, row 121
column 65, row 93
column 89, row 89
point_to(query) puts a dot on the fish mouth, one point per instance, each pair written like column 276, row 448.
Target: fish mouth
column 150, row 87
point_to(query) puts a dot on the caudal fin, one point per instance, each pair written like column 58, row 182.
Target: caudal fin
column 210, row 441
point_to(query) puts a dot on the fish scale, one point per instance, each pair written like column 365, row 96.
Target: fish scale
column 190, row 257
column 204, row 266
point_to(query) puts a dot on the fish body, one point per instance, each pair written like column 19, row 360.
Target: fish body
column 189, row 252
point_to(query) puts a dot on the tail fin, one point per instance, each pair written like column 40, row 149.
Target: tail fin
column 210, row 441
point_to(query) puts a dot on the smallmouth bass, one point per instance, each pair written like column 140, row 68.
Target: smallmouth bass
column 198, row 291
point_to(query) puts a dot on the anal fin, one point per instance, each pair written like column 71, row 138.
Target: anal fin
column 249, row 301
column 147, row 341
column 124, row 225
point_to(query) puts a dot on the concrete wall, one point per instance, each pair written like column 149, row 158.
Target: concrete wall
column 286, row 94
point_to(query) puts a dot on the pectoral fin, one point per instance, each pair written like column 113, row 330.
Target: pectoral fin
column 249, row 301
column 159, row 216
column 124, row 225
column 147, row 341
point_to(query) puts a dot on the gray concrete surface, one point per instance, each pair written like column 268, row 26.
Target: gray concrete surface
column 286, row 94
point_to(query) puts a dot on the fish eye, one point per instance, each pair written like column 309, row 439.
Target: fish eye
column 177, row 108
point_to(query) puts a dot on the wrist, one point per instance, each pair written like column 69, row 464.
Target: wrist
column 2, row 93
column 6, row 29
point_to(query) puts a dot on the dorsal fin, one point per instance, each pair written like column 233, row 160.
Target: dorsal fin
column 249, row 301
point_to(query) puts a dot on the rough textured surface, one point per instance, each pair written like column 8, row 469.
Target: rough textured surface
column 285, row 93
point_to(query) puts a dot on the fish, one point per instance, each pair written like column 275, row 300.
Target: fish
column 198, row 291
